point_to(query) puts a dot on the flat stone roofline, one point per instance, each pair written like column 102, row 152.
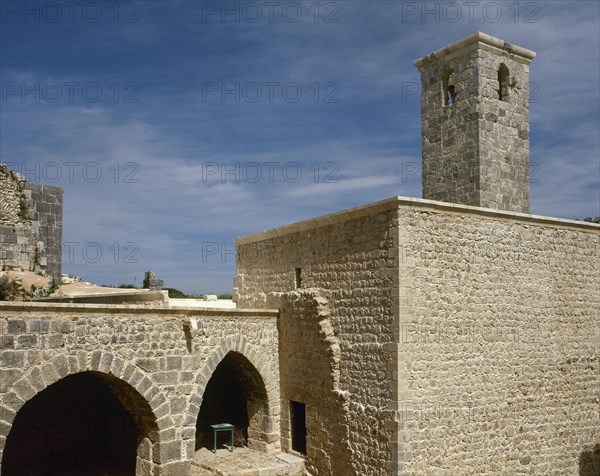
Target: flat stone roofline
column 476, row 40
column 416, row 204
column 62, row 307
column 125, row 297
column 199, row 303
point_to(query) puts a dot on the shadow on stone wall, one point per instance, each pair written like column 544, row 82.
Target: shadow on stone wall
column 85, row 420
column 235, row 394
column 589, row 462
column 309, row 362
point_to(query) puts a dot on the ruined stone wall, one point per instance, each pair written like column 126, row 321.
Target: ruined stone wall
column 20, row 247
column 309, row 362
column 30, row 225
column 498, row 348
column 147, row 350
column 351, row 261
column 45, row 205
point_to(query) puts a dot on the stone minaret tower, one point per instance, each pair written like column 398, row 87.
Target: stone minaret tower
column 475, row 123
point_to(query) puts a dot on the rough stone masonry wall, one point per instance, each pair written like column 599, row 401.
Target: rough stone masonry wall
column 350, row 261
column 450, row 142
column 30, row 225
column 476, row 148
column 146, row 351
column 20, row 247
column 309, row 362
column 499, row 345
column 46, row 208
column 504, row 133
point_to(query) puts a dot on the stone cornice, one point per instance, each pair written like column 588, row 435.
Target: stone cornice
column 477, row 40
column 111, row 309
column 415, row 204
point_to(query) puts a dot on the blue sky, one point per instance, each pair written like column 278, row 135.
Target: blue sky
column 175, row 126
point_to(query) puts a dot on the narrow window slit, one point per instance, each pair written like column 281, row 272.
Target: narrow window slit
column 298, row 278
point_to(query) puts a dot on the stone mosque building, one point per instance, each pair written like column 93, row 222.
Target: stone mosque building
column 451, row 335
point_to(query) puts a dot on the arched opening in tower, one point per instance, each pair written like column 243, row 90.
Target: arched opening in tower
column 503, row 82
column 86, row 423
column 235, row 394
column 449, row 87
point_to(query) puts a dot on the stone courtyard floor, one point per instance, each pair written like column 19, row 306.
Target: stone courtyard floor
column 93, row 469
column 245, row 462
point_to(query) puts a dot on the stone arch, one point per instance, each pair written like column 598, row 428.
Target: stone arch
column 130, row 386
column 258, row 376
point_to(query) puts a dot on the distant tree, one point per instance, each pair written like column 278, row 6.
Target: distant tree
column 175, row 293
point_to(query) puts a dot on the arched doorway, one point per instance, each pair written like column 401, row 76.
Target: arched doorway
column 235, row 394
column 85, row 422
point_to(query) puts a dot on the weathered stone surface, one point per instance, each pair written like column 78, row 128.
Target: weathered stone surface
column 30, row 225
column 156, row 379
column 483, row 324
column 333, row 354
column 246, row 462
column 313, row 379
column 484, row 355
column 475, row 124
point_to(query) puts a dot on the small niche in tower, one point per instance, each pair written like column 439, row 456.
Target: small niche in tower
column 503, row 82
column 449, row 88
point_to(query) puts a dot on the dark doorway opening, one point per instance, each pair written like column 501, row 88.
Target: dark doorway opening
column 298, row 420
column 589, row 462
column 75, row 426
column 223, row 402
column 234, row 394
